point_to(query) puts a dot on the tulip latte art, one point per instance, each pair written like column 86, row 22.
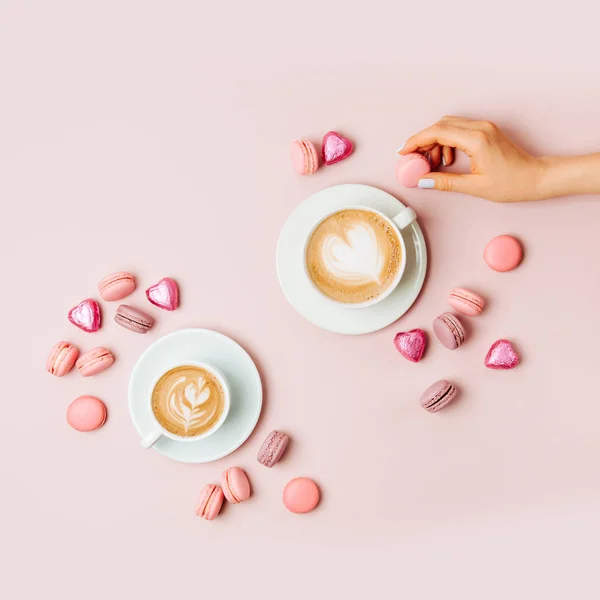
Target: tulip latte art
column 188, row 400
column 353, row 256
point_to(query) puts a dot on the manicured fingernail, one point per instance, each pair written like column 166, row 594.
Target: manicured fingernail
column 444, row 161
column 400, row 148
column 426, row 184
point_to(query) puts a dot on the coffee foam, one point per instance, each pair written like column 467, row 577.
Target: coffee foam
column 188, row 400
column 353, row 256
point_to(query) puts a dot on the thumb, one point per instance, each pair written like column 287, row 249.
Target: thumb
column 451, row 182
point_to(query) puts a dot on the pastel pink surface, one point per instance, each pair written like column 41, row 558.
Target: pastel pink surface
column 235, row 485
column 116, row 286
column 335, row 147
column 164, row 294
column 94, row 361
column 86, row 315
column 411, row 344
column 411, row 168
column 129, row 131
column 466, row 302
column 502, row 355
column 273, row 448
column 210, row 502
column 503, row 253
column 301, row 495
column 86, row 413
column 61, row 359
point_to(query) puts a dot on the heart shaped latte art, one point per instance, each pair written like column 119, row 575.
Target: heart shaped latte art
column 164, row 294
column 411, row 344
column 355, row 259
column 502, row 355
column 335, row 148
column 86, row 315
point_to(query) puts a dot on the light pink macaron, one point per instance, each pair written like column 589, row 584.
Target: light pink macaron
column 210, row 502
column 411, row 168
column 235, row 484
column 61, row 359
column 466, row 302
column 301, row 495
column 94, row 361
column 305, row 159
column 86, row 413
column 116, row 286
column 503, row 253
column 273, row 448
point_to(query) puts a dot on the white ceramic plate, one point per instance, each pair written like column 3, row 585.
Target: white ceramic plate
column 297, row 287
column 215, row 349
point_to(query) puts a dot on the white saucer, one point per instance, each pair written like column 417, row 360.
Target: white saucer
column 307, row 301
column 215, row 349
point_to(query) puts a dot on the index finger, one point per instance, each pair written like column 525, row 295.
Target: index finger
column 443, row 133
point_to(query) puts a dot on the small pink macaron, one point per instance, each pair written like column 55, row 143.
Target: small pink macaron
column 438, row 395
column 273, row 448
column 466, row 302
column 95, row 361
column 133, row 318
column 86, row 413
column 449, row 331
column 301, row 495
column 503, row 253
column 305, row 159
column 235, row 485
column 210, row 502
column 61, row 359
column 116, row 286
column 411, row 168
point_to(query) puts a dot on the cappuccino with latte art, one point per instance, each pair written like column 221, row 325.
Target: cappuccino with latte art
column 354, row 256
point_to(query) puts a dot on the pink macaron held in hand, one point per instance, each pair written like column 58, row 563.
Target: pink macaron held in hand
column 411, row 168
column 235, row 484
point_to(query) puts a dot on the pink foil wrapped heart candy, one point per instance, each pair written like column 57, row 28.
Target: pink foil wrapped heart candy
column 335, row 148
column 502, row 355
column 86, row 315
column 411, row 344
column 164, row 294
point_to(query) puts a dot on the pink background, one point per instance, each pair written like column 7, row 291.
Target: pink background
column 154, row 137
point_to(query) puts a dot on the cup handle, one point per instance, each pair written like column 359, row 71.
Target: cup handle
column 151, row 439
column 404, row 218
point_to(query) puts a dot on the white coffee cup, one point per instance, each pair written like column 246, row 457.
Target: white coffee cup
column 159, row 431
column 399, row 222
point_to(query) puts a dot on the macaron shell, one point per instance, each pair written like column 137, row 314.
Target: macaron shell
column 86, row 413
column 210, row 503
column 133, row 319
column 411, row 168
column 116, row 286
column 273, row 448
column 466, row 302
column 94, row 361
column 235, row 484
column 61, row 359
column 438, row 395
column 449, row 331
column 301, row 495
column 305, row 159
column 503, row 253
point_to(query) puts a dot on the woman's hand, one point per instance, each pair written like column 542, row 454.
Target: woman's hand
column 500, row 170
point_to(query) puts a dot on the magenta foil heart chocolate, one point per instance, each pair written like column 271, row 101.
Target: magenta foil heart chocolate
column 164, row 294
column 86, row 315
column 335, row 148
column 502, row 355
column 411, row 344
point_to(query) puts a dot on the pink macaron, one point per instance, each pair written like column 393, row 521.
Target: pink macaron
column 235, row 484
column 411, row 168
column 116, row 286
column 273, row 448
column 301, row 495
column 305, row 159
column 86, row 413
column 210, row 502
column 133, row 319
column 94, row 361
column 503, row 253
column 61, row 359
column 438, row 395
column 466, row 302
column 449, row 331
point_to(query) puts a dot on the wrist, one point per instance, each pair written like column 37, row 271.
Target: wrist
column 564, row 176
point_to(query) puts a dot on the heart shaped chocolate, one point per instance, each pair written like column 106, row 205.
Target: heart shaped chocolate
column 86, row 315
column 411, row 344
column 502, row 355
column 164, row 294
column 335, row 148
